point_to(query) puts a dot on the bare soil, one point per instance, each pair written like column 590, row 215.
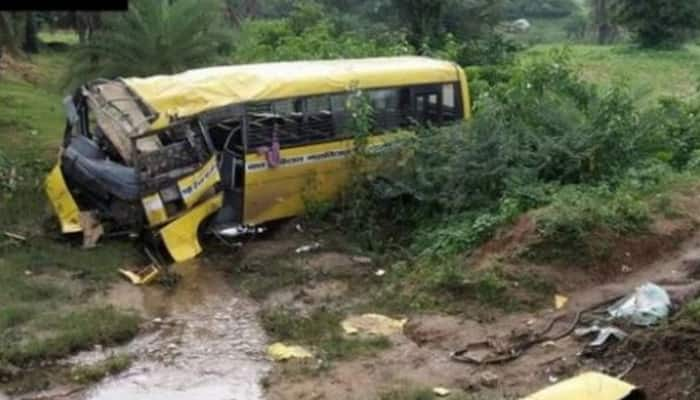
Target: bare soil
column 420, row 357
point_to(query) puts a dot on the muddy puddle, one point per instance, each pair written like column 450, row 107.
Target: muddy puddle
column 205, row 342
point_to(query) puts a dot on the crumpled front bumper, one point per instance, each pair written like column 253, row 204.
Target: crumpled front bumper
column 180, row 237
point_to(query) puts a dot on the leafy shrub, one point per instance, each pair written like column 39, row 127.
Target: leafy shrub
column 539, row 135
column 155, row 36
column 576, row 26
column 307, row 35
column 576, row 211
column 492, row 49
column 659, row 23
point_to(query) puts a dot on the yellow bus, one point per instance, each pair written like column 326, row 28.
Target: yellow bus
column 226, row 149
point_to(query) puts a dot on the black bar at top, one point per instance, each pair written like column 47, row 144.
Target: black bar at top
column 64, row 5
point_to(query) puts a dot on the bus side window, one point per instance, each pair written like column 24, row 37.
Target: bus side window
column 387, row 110
column 450, row 110
column 427, row 104
column 341, row 116
column 436, row 104
column 288, row 115
column 260, row 125
column 318, row 118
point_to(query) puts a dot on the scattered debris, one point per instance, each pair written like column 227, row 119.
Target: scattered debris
column 441, row 391
column 92, row 228
column 590, row 385
column 15, row 236
column 603, row 334
column 142, row 276
column 489, row 352
column 373, row 324
column 380, row 272
column 239, row 230
column 28, row 272
column 646, row 306
column 299, row 228
column 625, row 269
column 307, row 248
column 489, row 379
column 560, row 301
column 549, row 343
column 518, row 26
column 281, row 352
column 362, row 260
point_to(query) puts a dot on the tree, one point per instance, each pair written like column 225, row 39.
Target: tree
column 659, row 23
column 471, row 19
column 155, row 36
column 8, row 39
column 85, row 23
column 602, row 17
column 31, row 41
column 422, row 18
column 238, row 11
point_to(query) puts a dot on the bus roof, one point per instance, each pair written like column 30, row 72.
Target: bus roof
column 198, row 90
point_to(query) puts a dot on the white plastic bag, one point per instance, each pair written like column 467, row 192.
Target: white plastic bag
column 646, row 306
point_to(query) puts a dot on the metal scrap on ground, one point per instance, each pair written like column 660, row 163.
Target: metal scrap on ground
column 281, row 352
column 589, row 386
column 373, row 324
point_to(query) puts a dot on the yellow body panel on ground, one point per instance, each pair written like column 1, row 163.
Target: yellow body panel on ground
column 62, row 201
column 589, row 386
column 192, row 92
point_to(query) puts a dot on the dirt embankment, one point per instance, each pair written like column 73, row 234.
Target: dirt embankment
column 668, row 254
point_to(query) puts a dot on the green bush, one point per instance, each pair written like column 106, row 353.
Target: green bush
column 576, row 211
column 155, row 37
column 659, row 23
column 307, row 35
column 539, row 135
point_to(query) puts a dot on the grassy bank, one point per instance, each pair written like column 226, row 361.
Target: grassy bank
column 650, row 73
column 47, row 282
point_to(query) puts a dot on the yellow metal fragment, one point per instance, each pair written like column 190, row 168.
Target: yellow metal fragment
column 143, row 277
column 441, row 391
column 373, row 324
column 64, row 205
column 560, row 301
column 588, row 386
column 281, row 352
